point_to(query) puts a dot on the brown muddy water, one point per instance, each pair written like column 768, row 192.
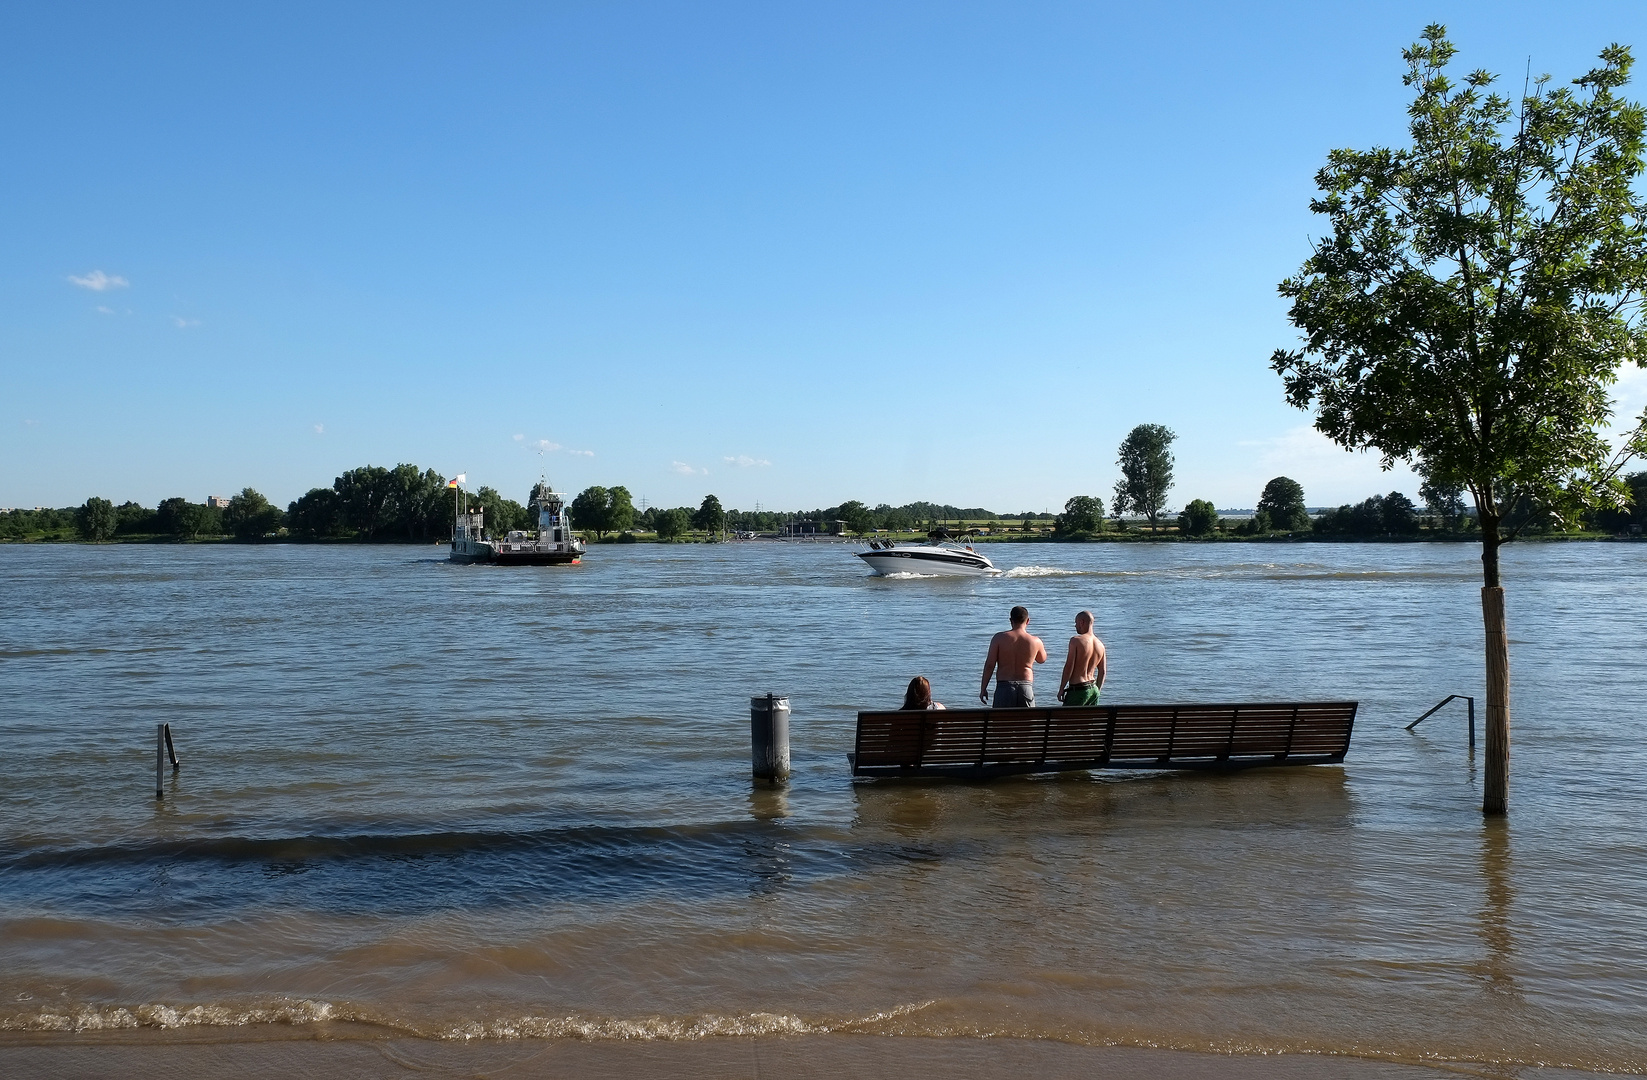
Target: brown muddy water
column 463, row 803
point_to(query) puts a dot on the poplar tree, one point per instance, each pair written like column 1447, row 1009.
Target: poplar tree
column 1146, row 471
column 1473, row 303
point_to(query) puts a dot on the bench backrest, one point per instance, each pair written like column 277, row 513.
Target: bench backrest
column 983, row 741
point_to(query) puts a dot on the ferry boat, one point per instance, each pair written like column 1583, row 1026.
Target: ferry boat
column 553, row 544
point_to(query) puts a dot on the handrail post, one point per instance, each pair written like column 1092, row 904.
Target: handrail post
column 1469, row 703
column 160, row 761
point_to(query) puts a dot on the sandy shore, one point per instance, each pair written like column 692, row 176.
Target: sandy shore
column 791, row 1058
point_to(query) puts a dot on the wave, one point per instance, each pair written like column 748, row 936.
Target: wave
column 911, row 1020
column 299, row 1011
column 1043, row 571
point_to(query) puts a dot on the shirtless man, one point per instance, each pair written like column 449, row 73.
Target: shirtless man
column 1015, row 652
column 1084, row 671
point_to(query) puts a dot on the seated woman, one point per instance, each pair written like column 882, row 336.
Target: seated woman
column 919, row 695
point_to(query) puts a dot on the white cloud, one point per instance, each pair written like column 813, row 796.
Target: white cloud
column 744, row 461
column 686, row 470
column 183, row 324
column 105, row 310
column 320, row 429
column 543, row 446
column 98, row 281
column 1330, row 474
column 518, row 438
column 581, row 453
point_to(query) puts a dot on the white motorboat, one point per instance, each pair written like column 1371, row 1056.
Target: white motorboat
column 940, row 555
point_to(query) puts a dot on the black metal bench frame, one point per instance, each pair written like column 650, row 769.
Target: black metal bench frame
column 981, row 743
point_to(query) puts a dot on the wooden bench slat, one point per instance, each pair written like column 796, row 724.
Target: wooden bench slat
column 982, row 742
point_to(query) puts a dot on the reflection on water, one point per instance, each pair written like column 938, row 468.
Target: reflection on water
column 476, row 801
column 1497, row 933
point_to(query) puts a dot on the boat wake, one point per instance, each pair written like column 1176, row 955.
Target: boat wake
column 1043, row 571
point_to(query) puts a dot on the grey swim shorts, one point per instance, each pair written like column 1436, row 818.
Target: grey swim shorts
column 1014, row 695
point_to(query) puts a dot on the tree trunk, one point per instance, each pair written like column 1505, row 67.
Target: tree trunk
column 1495, row 792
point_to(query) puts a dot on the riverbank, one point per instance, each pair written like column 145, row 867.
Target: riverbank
column 1128, row 537
column 824, row 1057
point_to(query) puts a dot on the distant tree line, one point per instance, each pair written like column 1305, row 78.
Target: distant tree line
column 409, row 504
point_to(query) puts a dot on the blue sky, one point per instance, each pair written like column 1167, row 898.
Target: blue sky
column 792, row 254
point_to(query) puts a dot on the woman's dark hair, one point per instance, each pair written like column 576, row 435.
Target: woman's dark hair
column 919, row 694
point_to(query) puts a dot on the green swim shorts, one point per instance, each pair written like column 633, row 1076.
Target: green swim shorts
column 1081, row 693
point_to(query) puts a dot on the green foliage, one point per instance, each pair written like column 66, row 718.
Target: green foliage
column 710, row 517
column 1381, row 515
column 249, row 516
column 1445, row 502
column 1479, row 290
column 96, row 519
column 500, row 515
column 318, row 515
column 1282, row 506
column 1146, row 471
column 363, row 496
column 589, row 509
column 184, row 520
column 602, row 510
column 670, row 524
column 1083, row 515
column 857, row 516
column 1199, row 518
column 134, row 518
column 620, row 513
column 419, row 506
column 1634, row 512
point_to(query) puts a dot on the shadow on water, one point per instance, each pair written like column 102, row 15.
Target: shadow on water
column 419, row 872
column 958, row 815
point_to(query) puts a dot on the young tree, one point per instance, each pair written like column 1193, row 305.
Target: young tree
column 96, row 520
column 1083, row 515
column 1146, row 472
column 710, row 517
column 1200, row 518
column 1474, row 301
column 1282, row 505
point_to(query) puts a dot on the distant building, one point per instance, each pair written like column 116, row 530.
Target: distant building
column 220, row 502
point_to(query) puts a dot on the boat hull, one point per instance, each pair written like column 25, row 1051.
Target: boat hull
column 925, row 561
column 486, row 551
column 536, row 558
column 472, row 551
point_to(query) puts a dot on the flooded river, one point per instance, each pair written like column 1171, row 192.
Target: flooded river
column 514, row 803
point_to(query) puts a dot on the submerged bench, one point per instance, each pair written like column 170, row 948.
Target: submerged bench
column 999, row 742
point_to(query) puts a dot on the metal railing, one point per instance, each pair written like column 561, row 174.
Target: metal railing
column 162, row 747
column 1437, row 708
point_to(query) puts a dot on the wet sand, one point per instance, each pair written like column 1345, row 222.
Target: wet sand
column 794, row 1058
